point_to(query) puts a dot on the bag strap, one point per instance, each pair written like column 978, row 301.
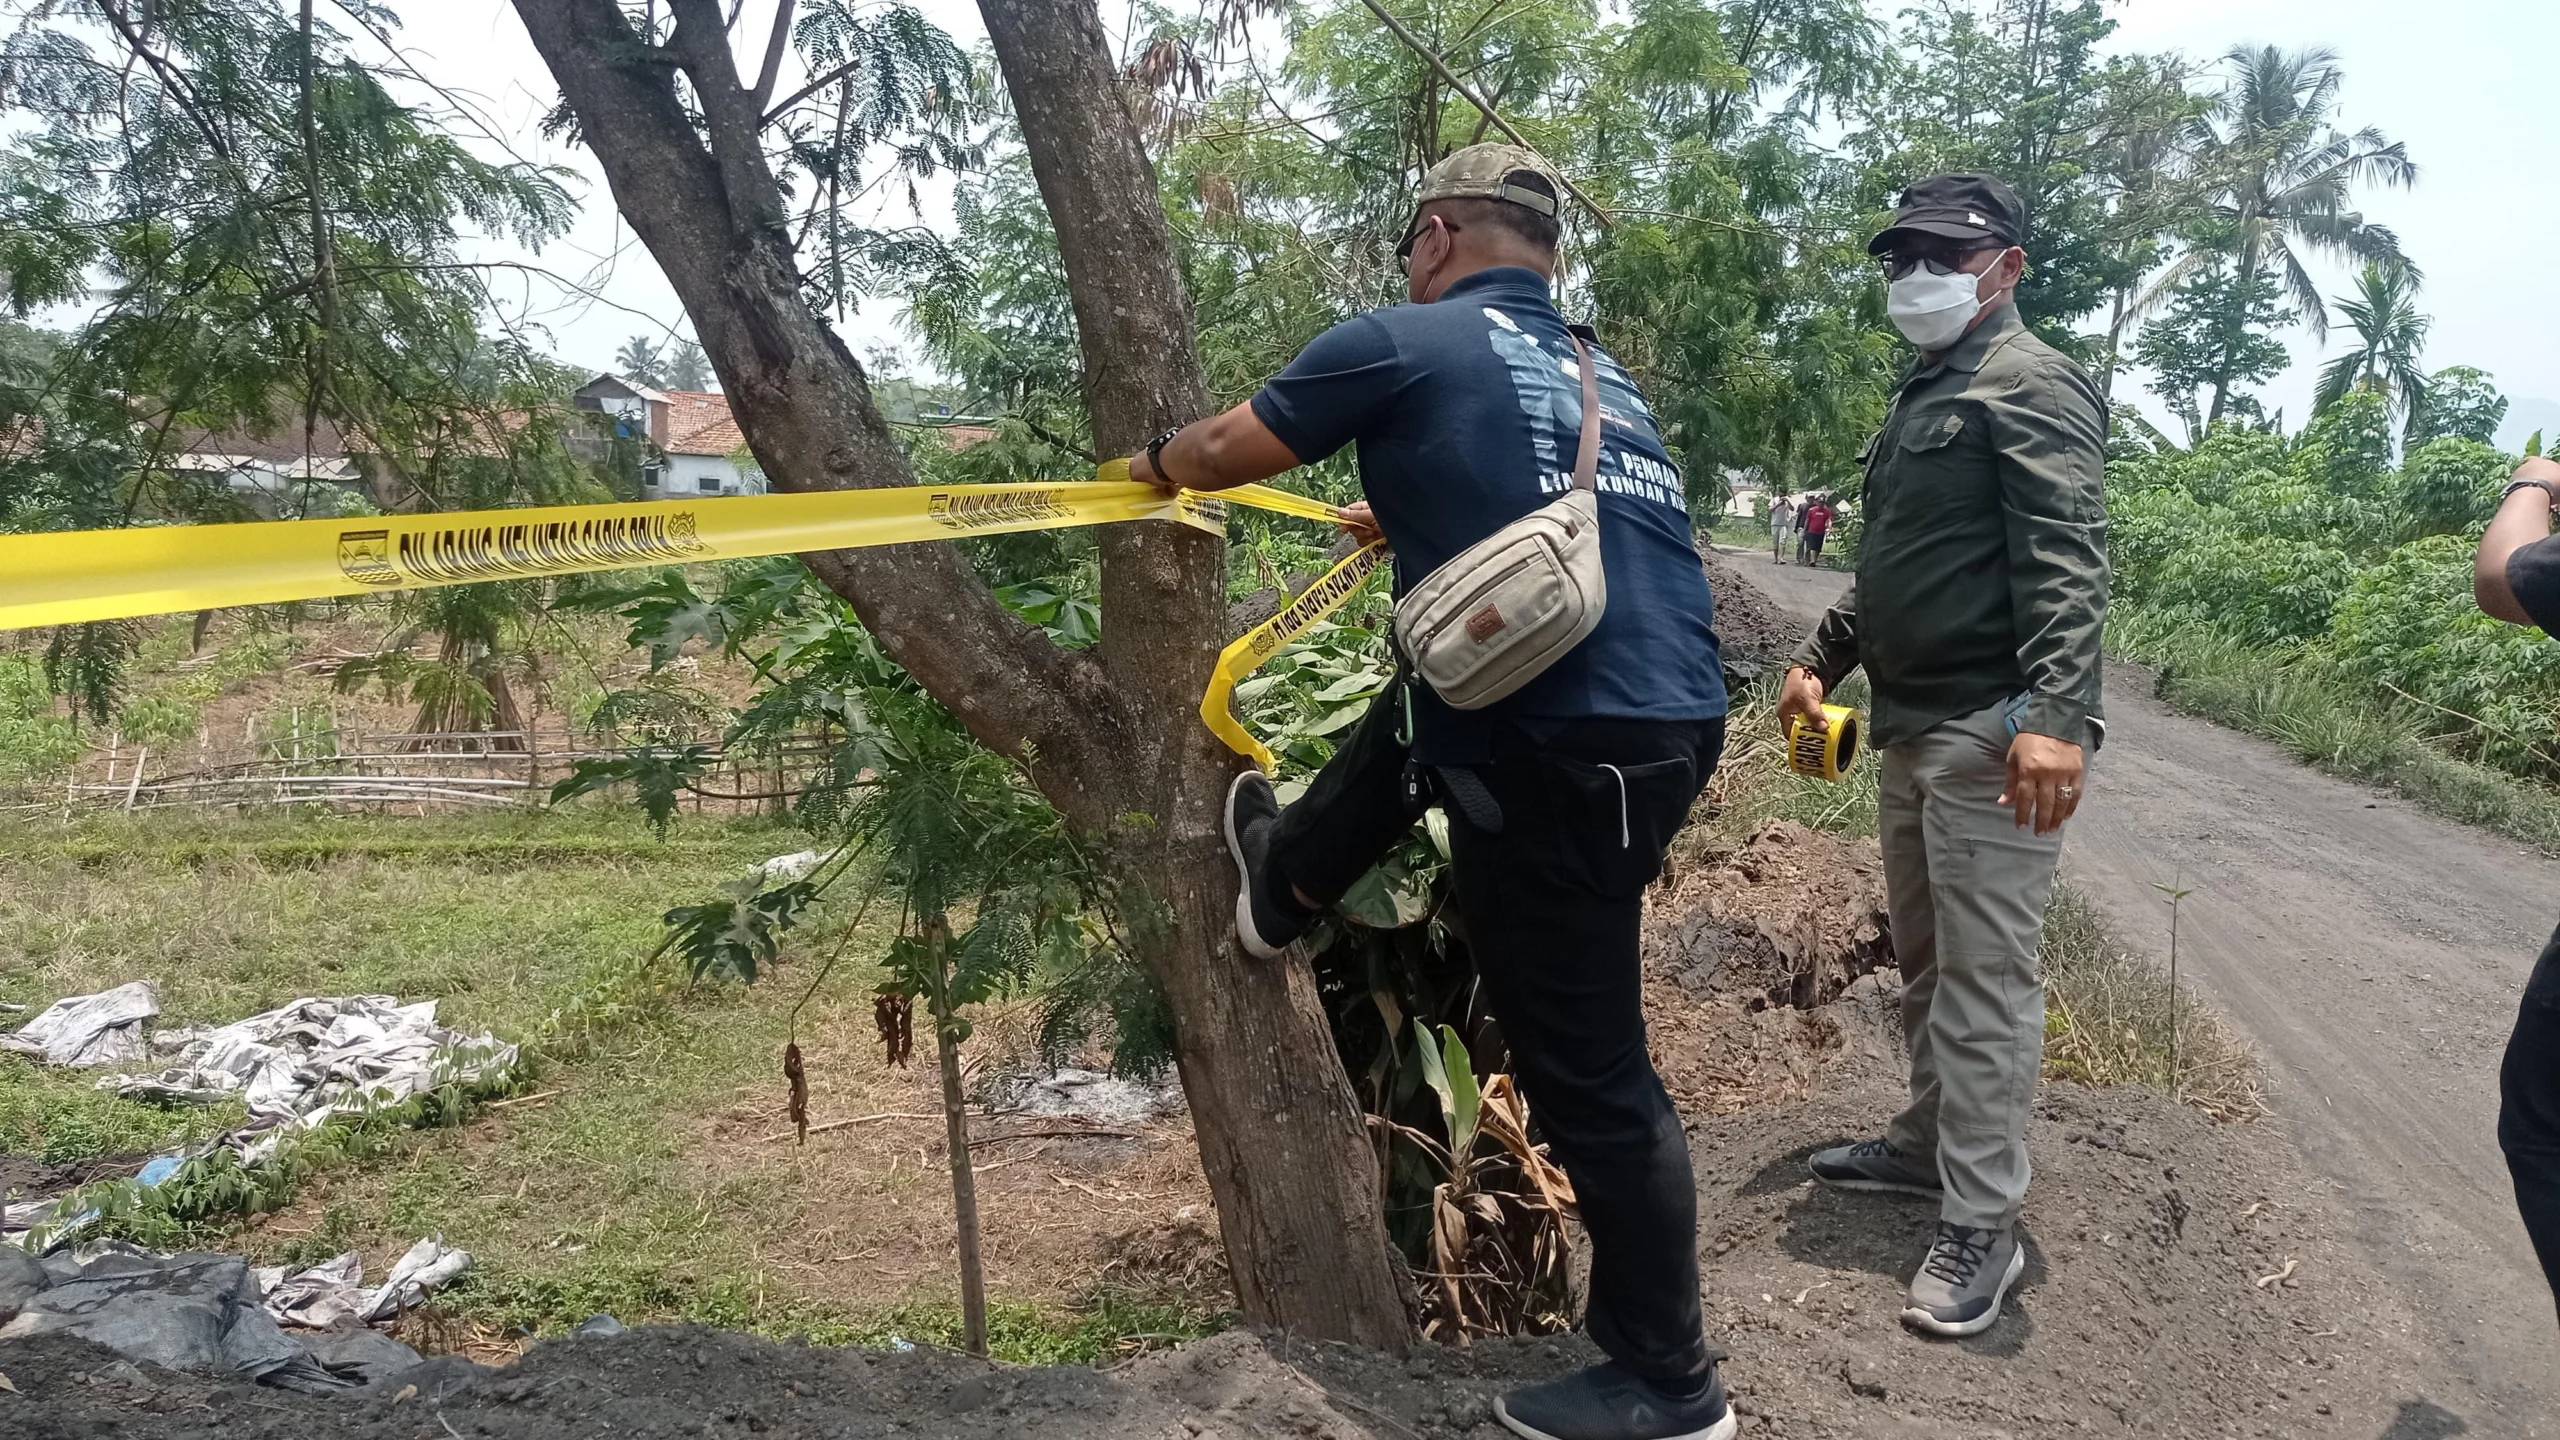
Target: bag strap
column 1586, row 461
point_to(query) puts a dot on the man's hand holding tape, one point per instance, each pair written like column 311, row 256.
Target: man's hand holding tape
column 1228, row 450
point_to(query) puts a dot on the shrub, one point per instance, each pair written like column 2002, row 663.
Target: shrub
column 2409, row 623
column 2260, row 589
column 2450, row 486
column 35, row 743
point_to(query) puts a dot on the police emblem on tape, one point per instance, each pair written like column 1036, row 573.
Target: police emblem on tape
column 458, row 554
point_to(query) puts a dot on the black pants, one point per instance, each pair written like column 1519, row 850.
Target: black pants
column 1552, row 903
column 2529, row 1109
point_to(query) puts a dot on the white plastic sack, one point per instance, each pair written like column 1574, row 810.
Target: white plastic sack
column 333, row 1291
column 100, row 1029
column 297, row 1064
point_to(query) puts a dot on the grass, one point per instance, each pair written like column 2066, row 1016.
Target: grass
column 2108, row 1015
column 2338, row 727
column 633, row 1173
column 1754, row 785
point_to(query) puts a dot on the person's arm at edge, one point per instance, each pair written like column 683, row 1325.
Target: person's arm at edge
column 2052, row 460
column 1218, row 453
column 1824, row 660
column 2522, row 520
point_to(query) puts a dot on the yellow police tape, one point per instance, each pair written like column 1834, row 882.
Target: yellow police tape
column 1263, row 641
column 67, row 577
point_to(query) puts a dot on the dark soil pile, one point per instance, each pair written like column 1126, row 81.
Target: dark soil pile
column 25, row 1177
column 1755, row 632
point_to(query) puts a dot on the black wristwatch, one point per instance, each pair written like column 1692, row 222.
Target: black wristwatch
column 1155, row 452
column 2547, row 487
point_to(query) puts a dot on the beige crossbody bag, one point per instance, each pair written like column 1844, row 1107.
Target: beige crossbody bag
column 1505, row 608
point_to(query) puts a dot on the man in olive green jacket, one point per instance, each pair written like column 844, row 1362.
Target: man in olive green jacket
column 1980, row 599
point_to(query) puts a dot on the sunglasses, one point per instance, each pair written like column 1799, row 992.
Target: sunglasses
column 1941, row 259
column 1413, row 237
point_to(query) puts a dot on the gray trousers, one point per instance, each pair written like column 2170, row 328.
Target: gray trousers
column 1966, row 889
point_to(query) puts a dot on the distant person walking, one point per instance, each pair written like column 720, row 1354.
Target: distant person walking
column 2516, row 576
column 1980, row 598
column 1816, row 524
column 1782, row 524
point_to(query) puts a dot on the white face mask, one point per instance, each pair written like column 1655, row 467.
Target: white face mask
column 1932, row 310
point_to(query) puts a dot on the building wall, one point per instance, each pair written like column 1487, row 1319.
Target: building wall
column 684, row 476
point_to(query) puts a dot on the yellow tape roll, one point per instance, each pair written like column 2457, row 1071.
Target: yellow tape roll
column 1825, row 754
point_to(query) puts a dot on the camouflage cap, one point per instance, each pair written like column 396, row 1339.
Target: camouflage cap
column 1483, row 172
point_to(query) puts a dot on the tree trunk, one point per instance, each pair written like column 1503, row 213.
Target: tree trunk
column 1112, row 732
column 1281, row 1135
column 955, row 1128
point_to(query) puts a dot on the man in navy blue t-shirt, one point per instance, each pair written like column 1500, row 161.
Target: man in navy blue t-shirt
column 1466, row 408
column 2516, row 576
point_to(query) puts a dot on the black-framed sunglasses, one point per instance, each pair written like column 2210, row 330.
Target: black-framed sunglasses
column 1944, row 259
column 1413, row 237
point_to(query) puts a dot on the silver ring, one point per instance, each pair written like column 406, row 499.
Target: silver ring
column 2067, row 791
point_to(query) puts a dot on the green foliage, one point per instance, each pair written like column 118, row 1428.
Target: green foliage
column 2459, row 403
column 738, row 937
column 35, row 743
column 2450, row 485
column 658, row 774
column 2409, row 625
column 2389, row 334
column 2262, row 589
column 2213, row 338
column 2316, row 559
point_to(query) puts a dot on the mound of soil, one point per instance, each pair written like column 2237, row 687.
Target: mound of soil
column 1790, row 917
column 25, row 1177
column 1754, row 631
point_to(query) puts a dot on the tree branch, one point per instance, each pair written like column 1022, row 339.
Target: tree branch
column 812, row 88
column 774, row 49
column 1483, row 106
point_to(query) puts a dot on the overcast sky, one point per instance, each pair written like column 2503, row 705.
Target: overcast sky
column 2462, row 82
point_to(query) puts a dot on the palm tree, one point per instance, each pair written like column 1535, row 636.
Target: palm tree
column 641, row 359
column 2390, row 332
column 2283, row 181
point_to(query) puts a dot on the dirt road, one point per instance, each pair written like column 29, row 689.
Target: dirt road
column 2375, row 954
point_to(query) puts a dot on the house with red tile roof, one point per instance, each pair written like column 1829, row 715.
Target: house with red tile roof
column 695, row 442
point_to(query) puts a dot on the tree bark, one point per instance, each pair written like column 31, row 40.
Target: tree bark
column 1112, row 732
column 955, row 1128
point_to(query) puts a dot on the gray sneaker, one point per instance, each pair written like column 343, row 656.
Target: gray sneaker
column 1874, row 1165
column 1960, row 1286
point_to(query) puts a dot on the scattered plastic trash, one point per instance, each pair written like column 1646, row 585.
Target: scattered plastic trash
column 295, row 1066
column 217, row 1315
column 186, row 1312
column 100, row 1029
column 783, row 869
column 333, row 1292
column 299, row 1063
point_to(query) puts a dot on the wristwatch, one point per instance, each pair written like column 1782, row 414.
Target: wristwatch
column 2547, row 487
column 1155, row 452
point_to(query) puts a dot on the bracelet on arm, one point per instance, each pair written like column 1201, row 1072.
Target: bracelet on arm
column 1155, row 453
column 2548, row 488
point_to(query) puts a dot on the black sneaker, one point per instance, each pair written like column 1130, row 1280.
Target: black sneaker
column 1874, row 1165
column 1267, row 924
column 1610, row 1402
column 1960, row 1286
